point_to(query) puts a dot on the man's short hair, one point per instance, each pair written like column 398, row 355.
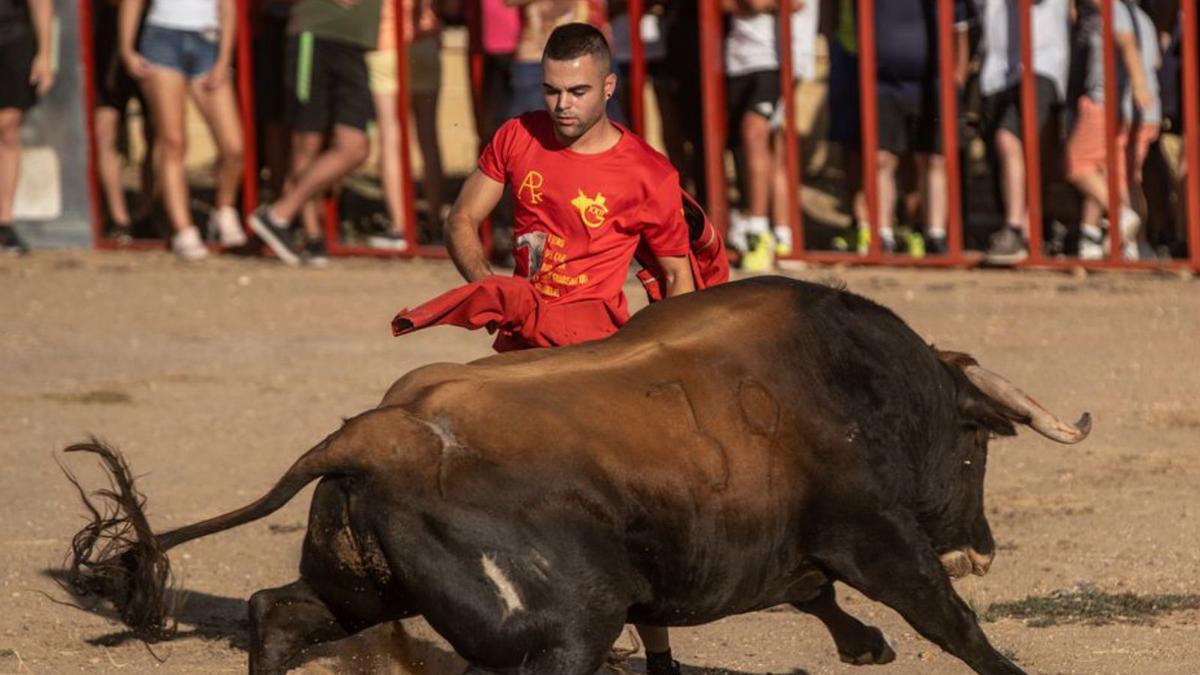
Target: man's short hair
column 575, row 40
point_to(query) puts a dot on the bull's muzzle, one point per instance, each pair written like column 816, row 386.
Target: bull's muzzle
column 961, row 562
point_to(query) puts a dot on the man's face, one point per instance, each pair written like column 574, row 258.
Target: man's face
column 576, row 92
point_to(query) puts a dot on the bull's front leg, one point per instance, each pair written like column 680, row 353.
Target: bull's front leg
column 890, row 560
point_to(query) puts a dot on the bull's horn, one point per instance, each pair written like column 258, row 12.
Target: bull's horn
column 1040, row 419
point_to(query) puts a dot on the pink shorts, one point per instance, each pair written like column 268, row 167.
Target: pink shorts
column 1086, row 148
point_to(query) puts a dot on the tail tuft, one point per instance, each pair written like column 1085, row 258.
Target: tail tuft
column 117, row 556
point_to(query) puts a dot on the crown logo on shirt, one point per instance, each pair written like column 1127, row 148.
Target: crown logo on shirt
column 591, row 209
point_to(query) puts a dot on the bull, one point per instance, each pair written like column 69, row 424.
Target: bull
column 725, row 452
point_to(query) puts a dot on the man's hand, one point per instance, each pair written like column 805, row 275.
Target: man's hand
column 41, row 75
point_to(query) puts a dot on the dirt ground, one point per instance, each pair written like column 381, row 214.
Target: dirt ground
column 213, row 377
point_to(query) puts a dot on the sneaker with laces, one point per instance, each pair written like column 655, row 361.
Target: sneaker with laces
column 388, row 241
column 737, row 238
column 1007, row 247
column 277, row 236
column 11, row 242
column 313, row 254
column 935, row 244
column 188, row 246
column 1131, row 227
column 225, row 227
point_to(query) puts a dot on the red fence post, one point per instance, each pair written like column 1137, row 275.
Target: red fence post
column 88, row 56
column 949, row 112
column 713, row 92
column 868, row 105
column 1031, row 135
column 791, row 155
column 637, row 69
column 1191, row 124
column 245, row 83
column 1111, row 130
column 403, row 102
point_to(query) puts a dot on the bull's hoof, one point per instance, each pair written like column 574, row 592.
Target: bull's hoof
column 881, row 653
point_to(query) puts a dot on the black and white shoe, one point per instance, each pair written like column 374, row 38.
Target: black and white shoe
column 314, row 254
column 11, row 242
column 277, row 236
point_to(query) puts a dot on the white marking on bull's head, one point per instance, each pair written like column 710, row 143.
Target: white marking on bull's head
column 504, row 587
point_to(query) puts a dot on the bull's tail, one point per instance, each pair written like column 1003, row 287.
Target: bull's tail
column 119, row 558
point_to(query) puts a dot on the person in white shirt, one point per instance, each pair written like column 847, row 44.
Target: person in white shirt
column 186, row 51
column 1000, row 84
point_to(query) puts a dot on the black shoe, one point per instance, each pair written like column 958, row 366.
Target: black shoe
column 661, row 663
column 936, row 245
column 314, row 254
column 121, row 233
column 1007, row 247
column 277, row 236
column 11, row 242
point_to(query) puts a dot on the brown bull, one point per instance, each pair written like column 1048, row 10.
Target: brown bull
column 725, row 452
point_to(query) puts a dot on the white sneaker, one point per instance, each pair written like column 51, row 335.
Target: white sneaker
column 188, row 246
column 1131, row 227
column 738, row 236
column 1093, row 243
column 783, row 240
column 225, row 225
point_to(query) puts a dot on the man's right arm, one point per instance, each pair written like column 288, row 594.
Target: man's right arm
column 475, row 202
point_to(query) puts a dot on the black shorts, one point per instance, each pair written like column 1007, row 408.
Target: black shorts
column 752, row 93
column 1002, row 110
column 113, row 85
column 327, row 85
column 909, row 125
column 17, row 51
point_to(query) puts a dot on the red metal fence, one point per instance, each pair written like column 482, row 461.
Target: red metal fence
column 714, row 125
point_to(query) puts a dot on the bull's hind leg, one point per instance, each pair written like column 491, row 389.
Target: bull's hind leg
column 857, row 643
column 284, row 621
column 890, row 561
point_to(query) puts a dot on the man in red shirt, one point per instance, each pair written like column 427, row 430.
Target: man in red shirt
column 586, row 191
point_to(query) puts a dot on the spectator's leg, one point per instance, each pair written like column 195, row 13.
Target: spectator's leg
column 779, row 181
column 166, row 94
column 10, row 160
column 348, row 148
column 885, row 176
column 220, row 110
column 389, row 159
column 108, row 164
column 756, row 139
column 933, row 169
column 1012, row 179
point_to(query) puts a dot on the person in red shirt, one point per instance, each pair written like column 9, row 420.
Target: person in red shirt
column 585, row 190
column 586, row 193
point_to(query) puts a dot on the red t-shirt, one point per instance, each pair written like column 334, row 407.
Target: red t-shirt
column 578, row 218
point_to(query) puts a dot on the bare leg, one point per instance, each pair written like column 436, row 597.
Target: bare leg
column 108, row 164
column 779, row 181
column 10, row 160
column 886, row 164
column 935, row 187
column 220, row 110
column 347, row 149
column 166, row 94
column 389, row 159
column 1012, row 178
column 756, row 138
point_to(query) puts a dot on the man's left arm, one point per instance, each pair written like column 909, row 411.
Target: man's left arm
column 678, row 272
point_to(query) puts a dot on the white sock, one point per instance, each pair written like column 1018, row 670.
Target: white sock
column 758, row 225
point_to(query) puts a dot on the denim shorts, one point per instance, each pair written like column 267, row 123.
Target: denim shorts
column 190, row 52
